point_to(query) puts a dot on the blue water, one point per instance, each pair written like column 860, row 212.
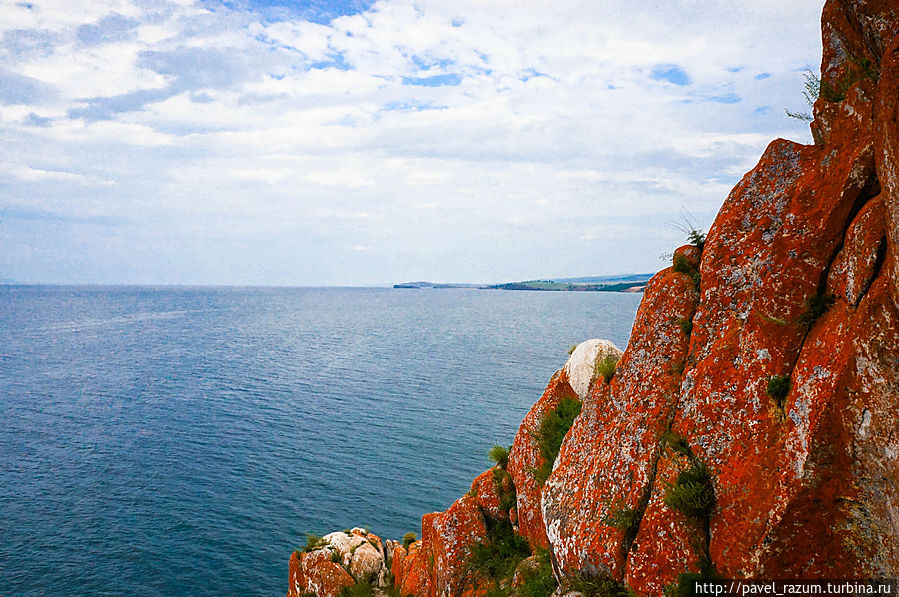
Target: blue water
column 180, row 441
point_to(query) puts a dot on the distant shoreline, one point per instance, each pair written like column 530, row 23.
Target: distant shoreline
column 621, row 283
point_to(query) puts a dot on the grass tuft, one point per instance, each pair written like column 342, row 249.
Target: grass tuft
column 596, row 587
column 499, row 455
column 623, row 518
column 409, row 539
column 676, row 442
column 497, row 559
column 551, row 433
column 815, row 306
column 778, row 388
column 605, row 368
column 538, row 581
column 692, row 494
column 360, row 589
column 314, row 542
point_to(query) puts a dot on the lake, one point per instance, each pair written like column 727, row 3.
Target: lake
column 181, row 441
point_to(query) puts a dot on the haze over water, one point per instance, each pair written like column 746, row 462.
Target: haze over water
column 180, row 441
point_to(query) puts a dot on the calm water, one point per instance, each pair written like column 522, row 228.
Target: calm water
column 180, row 441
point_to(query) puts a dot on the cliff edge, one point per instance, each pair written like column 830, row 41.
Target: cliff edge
column 751, row 427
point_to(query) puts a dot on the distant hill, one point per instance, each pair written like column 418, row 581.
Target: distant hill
column 616, row 283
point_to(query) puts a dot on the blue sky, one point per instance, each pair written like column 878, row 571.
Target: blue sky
column 359, row 142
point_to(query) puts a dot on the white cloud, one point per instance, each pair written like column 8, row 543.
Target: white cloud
column 541, row 119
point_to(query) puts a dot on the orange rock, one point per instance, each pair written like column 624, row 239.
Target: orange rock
column 314, row 572
column 415, row 577
column 690, row 253
column 296, row 580
column 525, row 457
column 666, row 544
column 451, row 535
column 484, row 488
column 397, row 564
column 607, row 461
column 861, row 256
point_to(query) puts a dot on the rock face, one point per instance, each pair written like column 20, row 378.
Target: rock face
column 750, row 428
column 340, row 560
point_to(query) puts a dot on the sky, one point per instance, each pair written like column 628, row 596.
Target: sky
column 352, row 143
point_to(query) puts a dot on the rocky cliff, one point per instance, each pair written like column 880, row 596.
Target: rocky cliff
column 751, row 427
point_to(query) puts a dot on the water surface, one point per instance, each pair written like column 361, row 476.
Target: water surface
column 180, row 441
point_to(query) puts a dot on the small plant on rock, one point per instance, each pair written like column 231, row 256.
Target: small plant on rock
column 682, row 265
column 692, row 494
column 596, row 587
column 499, row 455
column 816, row 306
column 497, row 558
column 572, row 348
column 538, row 581
column 622, row 518
column 314, row 542
column 676, row 442
column 360, row 589
column 605, row 368
column 549, row 436
column 778, row 388
column 686, row 325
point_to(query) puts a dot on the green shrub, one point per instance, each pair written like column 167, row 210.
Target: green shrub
column 409, row 539
column 497, row 559
column 686, row 581
column 505, row 489
column 816, row 306
column 507, row 499
column 314, row 542
column 778, row 388
column 499, row 455
column 682, row 265
column 596, row 587
column 360, row 589
column 538, row 581
column 676, row 442
column 692, row 494
column 605, row 367
column 696, row 238
column 551, row 433
column 335, row 556
column 623, row 518
column 685, row 325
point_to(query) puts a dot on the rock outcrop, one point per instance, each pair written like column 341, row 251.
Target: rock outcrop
column 751, row 427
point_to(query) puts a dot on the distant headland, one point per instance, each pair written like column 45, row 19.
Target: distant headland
column 617, row 283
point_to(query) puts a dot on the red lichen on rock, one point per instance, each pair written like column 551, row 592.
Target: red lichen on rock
column 450, row 536
column 525, row 458
column 485, row 490
column 314, row 572
column 413, row 570
column 609, row 455
column 668, row 543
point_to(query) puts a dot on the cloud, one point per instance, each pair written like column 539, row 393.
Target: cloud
column 454, row 141
column 111, row 28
